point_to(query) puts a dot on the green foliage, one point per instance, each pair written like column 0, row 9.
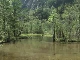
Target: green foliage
column 10, row 14
column 42, row 13
column 60, row 18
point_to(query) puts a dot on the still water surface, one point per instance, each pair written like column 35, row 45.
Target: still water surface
column 39, row 48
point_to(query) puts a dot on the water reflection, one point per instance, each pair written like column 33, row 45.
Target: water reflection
column 39, row 48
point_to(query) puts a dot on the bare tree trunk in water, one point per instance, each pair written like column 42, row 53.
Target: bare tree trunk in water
column 63, row 37
column 54, row 36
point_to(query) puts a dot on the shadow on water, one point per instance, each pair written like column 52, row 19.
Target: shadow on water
column 40, row 48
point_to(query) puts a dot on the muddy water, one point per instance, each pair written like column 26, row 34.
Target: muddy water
column 40, row 49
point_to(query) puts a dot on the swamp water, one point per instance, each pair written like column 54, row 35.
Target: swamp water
column 39, row 48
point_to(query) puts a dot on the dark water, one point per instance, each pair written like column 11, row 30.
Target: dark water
column 40, row 48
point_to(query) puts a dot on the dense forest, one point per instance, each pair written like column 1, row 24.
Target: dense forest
column 59, row 18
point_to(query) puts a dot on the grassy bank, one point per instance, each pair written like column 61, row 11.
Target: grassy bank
column 34, row 35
